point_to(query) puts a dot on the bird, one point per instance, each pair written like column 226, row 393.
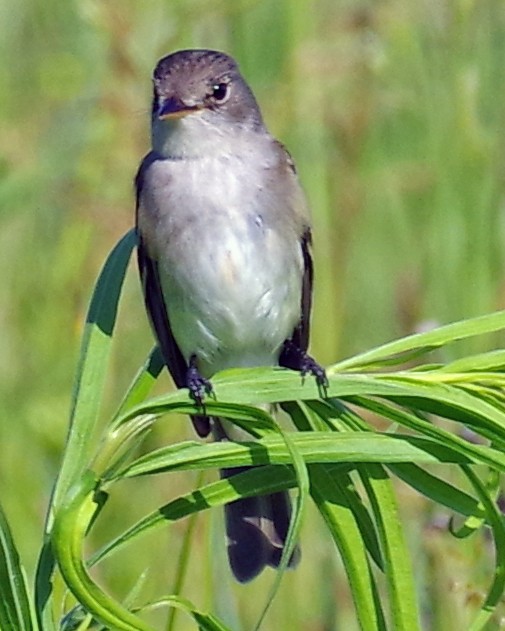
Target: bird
column 224, row 255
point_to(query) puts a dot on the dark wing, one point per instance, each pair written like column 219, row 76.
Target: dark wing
column 294, row 350
column 302, row 332
column 156, row 310
column 300, row 337
column 158, row 317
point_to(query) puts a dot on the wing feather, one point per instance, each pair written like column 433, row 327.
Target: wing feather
column 156, row 308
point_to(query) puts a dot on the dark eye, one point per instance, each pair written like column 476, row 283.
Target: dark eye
column 220, row 92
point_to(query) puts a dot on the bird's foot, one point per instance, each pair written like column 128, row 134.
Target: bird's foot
column 198, row 385
column 298, row 359
column 309, row 366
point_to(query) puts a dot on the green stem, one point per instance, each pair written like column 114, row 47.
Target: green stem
column 70, row 526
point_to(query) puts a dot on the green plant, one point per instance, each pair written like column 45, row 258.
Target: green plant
column 333, row 455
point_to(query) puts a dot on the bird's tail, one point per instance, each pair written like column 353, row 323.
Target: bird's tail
column 256, row 528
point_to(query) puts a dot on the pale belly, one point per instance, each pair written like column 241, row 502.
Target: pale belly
column 237, row 297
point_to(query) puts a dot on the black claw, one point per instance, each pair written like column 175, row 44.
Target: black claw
column 311, row 367
column 298, row 359
column 197, row 385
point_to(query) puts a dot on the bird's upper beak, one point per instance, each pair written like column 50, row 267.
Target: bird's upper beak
column 175, row 108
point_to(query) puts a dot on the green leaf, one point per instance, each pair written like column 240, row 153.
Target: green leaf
column 437, row 490
column 206, row 622
column 72, row 521
column 398, row 566
column 331, row 499
column 314, row 447
column 92, row 368
column 361, row 513
column 142, row 383
column 182, row 564
column 495, row 519
column 257, row 481
column 15, row 606
column 399, row 351
column 303, row 484
column 442, row 437
column 328, row 410
column 492, row 360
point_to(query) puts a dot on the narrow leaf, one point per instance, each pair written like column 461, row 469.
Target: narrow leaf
column 340, row 520
column 15, row 609
column 398, row 566
column 405, row 347
column 92, row 368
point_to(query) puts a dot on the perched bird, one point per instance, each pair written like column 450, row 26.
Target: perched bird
column 224, row 238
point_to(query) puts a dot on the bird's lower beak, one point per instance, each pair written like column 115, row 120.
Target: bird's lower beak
column 175, row 108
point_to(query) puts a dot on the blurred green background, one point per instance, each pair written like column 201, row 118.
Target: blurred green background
column 394, row 112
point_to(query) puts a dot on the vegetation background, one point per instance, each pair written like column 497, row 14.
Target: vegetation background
column 394, row 112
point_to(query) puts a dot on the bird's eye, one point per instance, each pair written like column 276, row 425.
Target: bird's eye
column 220, row 92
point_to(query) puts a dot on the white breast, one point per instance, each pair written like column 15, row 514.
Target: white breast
column 231, row 264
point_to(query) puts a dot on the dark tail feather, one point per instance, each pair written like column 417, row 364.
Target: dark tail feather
column 256, row 529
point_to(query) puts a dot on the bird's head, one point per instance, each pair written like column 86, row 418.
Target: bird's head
column 200, row 99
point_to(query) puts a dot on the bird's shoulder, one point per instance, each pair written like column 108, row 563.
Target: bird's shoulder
column 289, row 185
column 284, row 157
column 143, row 171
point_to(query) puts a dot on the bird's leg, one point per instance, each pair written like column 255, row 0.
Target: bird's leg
column 297, row 359
column 197, row 384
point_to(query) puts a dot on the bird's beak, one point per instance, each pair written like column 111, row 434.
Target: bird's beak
column 174, row 108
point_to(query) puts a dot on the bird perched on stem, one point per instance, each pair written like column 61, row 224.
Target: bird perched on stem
column 224, row 257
